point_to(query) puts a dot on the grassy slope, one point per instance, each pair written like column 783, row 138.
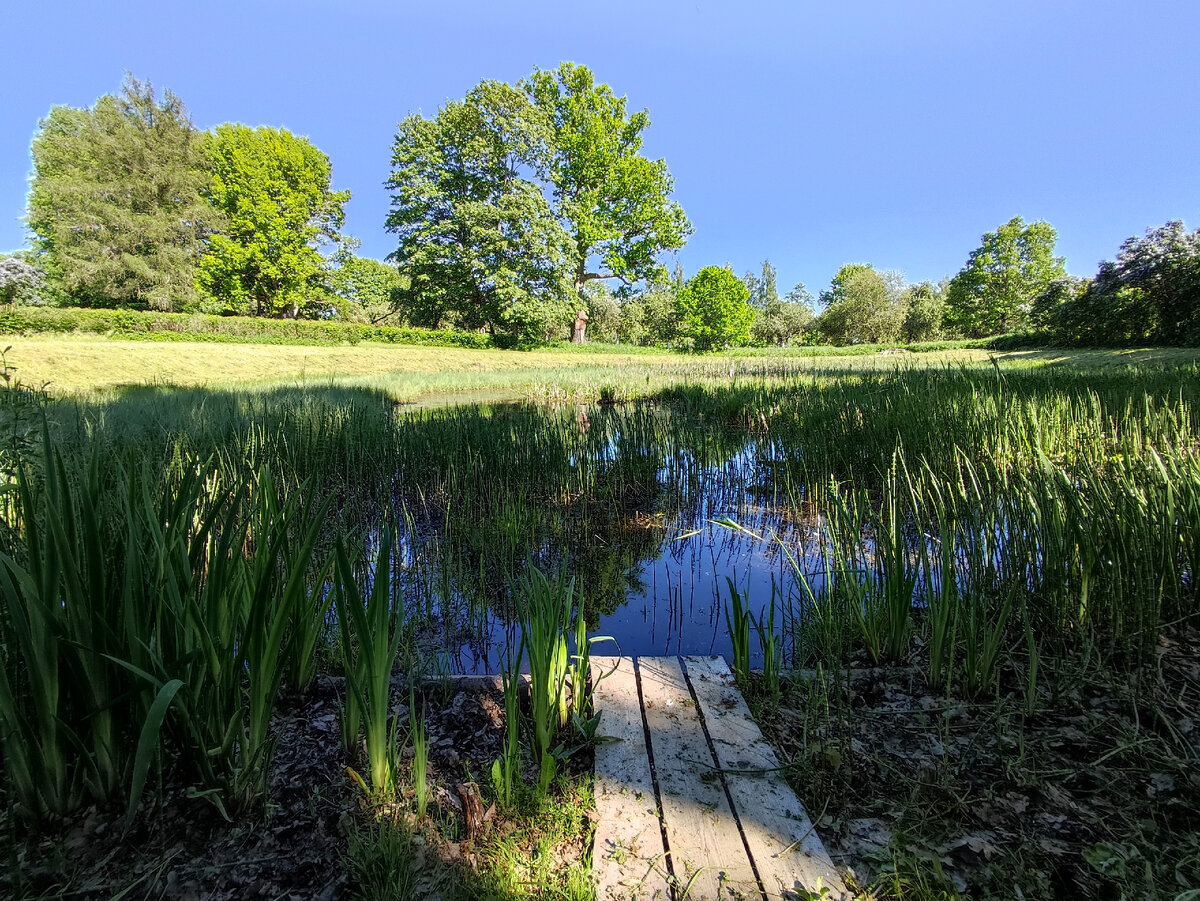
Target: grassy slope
column 71, row 364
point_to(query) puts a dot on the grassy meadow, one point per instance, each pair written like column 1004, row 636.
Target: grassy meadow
column 980, row 666
column 69, row 365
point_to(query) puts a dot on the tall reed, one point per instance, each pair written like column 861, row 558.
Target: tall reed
column 548, row 603
column 371, row 629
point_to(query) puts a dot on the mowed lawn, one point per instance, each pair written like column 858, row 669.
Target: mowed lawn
column 68, row 365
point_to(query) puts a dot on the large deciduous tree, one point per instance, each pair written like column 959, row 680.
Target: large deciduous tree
column 863, row 305
column 274, row 189
column 369, row 287
column 604, row 313
column 1149, row 294
column 1049, row 307
column 925, row 311
column 652, row 316
column 614, row 202
column 994, row 291
column 713, row 309
column 779, row 320
column 116, row 204
column 477, row 239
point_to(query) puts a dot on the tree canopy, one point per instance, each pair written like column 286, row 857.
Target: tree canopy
column 614, row 202
column 863, row 304
column 512, row 208
column 925, row 311
column 370, row 287
column 116, row 205
column 995, row 290
column 1149, row 294
column 763, row 288
column 713, row 309
column 274, row 190
column 477, row 240
column 777, row 320
column 18, row 278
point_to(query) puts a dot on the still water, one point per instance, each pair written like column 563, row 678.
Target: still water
column 654, row 570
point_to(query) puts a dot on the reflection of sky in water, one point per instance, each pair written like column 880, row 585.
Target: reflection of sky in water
column 677, row 604
column 681, row 609
column 681, row 606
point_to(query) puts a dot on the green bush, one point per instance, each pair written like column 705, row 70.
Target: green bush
column 202, row 327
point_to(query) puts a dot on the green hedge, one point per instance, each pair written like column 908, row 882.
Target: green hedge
column 241, row 329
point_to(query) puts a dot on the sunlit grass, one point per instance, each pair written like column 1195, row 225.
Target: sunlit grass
column 71, row 364
column 1006, row 513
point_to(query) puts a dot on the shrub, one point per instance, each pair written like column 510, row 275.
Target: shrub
column 241, row 329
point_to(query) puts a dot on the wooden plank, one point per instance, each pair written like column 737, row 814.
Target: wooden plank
column 628, row 858
column 786, row 849
column 708, row 857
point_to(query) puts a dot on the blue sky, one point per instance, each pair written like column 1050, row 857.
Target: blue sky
column 812, row 134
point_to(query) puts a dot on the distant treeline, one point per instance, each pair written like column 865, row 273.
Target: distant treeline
column 513, row 208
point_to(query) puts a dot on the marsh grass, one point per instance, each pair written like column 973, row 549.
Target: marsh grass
column 549, row 605
column 371, row 629
column 506, row 769
column 166, row 552
column 420, row 760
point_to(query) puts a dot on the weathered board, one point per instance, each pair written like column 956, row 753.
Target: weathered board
column 628, row 858
column 708, row 856
column 791, row 860
column 690, row 800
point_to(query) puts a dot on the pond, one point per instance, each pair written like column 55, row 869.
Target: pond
column 633, row 503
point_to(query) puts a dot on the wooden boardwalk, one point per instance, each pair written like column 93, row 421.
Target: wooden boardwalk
column 689, row 797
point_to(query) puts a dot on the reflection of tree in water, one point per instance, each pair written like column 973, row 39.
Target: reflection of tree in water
column 599, row 535
column 587, row 493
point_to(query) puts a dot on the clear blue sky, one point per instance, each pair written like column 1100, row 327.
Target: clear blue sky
column 894, row 132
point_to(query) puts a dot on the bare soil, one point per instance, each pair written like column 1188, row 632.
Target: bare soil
column 182, row 849
column 1094, row 794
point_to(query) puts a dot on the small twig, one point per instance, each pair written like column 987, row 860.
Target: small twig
column 807, row 832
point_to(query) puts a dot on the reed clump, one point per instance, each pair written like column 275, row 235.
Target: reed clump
column 172, row 561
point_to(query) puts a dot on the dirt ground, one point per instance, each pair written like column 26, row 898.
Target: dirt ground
column 1093, row 794
column 181, row 847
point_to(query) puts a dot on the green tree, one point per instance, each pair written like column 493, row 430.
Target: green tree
column 994, row 291
column 925, row 305
column 274, row 190
column 604, row 313
column 1048, row 306
column 631, row 327
column 658, row 316
column 781, row 321
column 1149, row 295
column 19, row 279
column 116, row 203
column 369, row 287
column 713, row 309
column 613, row 201
column 862, row 305
column 477, row 239
column 1164, row 267
column 763, row 287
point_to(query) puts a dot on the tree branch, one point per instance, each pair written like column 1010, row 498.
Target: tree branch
column 590, row 276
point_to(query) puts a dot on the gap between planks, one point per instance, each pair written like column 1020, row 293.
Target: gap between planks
column 675, row 818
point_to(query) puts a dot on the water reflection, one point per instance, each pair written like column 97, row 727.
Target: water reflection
column 625, row 500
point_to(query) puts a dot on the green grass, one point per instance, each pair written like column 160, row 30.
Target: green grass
column 538, row 850
column 983, row 520
column 71, row 364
